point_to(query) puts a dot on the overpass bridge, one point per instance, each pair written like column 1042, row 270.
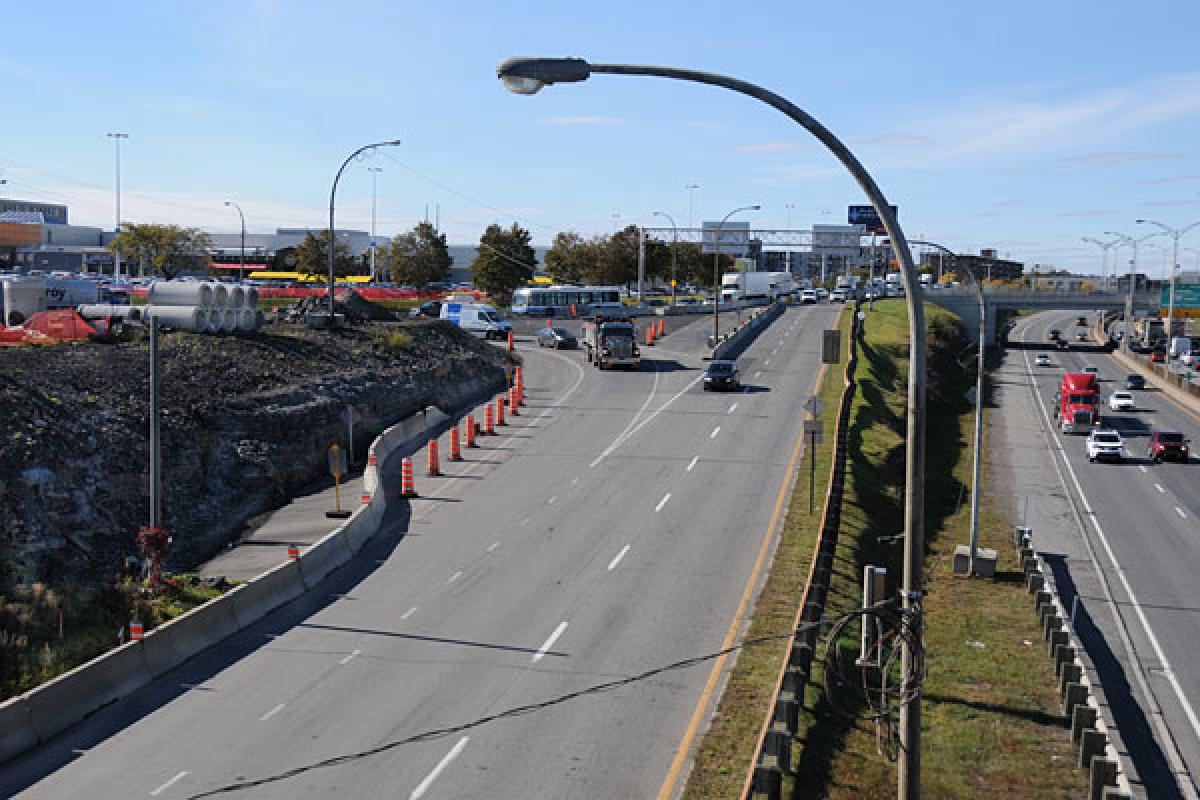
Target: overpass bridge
column 964, row 301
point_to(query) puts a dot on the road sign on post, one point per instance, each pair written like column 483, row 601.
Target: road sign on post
column 337, row 468
column 831, row 347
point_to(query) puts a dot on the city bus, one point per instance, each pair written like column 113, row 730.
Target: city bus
column 547, row 301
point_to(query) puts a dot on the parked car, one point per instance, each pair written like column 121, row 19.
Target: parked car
column 721, row 374
column 808, row 296
column 430, row 308
column 1092, row 369
column 822, row 293
column 1054, row 334
column 558, row 338
column 1190, row 360
column 1167, row 446
column 837, row 296
column 1121, row 401
column 1135, row 381
column 1158, row 356
column 1105, row 445
column 1042, row 360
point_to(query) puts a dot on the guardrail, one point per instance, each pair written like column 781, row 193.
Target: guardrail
column 40, row 714
column 733, row 342
column 774, row 749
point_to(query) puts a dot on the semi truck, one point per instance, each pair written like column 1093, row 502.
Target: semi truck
column 756, row 285
column 610, row 341
column 1077, row 402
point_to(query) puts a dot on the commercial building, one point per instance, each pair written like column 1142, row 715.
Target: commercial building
column 987, row 265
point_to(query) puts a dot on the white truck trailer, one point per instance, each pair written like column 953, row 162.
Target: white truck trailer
column 756, row 285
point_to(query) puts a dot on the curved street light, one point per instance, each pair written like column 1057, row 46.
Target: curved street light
column 674, row 248
column 717, row 266
column 242, row 270
column 528, row 75
column 1105, row 246
column 1176, row 234
column 332, row 195
column 1126, row 329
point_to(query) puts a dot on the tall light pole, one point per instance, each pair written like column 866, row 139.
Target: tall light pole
column 1127, row 328
column 691, row 188
column 374, row 187
column 332, row 195
column 789, row 207
column 1176, row 235
column 717, row 266
column 528, row 75
column 1105, row 247
column 117, row 137
column 242, row 217
column 674, row 248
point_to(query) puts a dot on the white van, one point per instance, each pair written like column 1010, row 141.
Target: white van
column 477, row 318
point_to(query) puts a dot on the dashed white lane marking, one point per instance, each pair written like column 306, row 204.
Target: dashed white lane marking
column 493, row 546
column 550, row 502
column 348, row 658
column 1179, row 511
column 168, row 784
column 613, row 564
column 409, row 613
column 650, row 418
column 1142, row 467
column 424, row 785
column 758, row 373
column 692, row 463
column 716, row 430
column 767, row 363
column 271, row 713
column 574, row 481
column 541, row 653
column 732, row 408
column 662, row 502
column 454, row 577
column 1161, row 490
column 524, row 522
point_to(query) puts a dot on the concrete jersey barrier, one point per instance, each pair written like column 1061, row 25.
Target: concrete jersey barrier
column 42, row 713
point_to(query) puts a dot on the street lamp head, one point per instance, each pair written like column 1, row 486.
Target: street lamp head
column 756, row 208
column 522, row 75
column 228, row 202
column 1140, row 221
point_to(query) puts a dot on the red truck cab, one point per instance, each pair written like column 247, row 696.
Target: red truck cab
column 1077, row 404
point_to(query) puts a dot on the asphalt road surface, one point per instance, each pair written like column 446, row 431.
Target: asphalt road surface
column 1143, row 522
column 616, row 526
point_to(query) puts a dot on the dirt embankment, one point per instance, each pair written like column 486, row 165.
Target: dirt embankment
column 246, row 421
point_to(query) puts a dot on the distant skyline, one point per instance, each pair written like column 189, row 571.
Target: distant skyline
column 1018, row 126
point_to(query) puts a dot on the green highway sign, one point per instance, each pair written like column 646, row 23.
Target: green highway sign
column 1187, row 295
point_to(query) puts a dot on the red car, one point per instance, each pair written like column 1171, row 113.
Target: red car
column 1168, row 446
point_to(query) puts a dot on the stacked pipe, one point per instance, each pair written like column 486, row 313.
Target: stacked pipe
column 203, row 307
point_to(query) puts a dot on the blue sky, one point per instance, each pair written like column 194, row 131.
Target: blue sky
column 1019, row 125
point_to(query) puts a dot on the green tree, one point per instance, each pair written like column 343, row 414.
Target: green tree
column 505, row 261
column 420, row 256
column 570, row 258
column 616, row 263
column 312, row 257
column 166, row 249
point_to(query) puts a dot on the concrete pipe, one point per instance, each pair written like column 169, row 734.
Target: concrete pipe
column 183, row 318
column 179, row 293
column 237, row 297
column 220, row 296
column 214, row 321
column 250, row 297
column 229, row 320
column 103, row 311
column 249, row 320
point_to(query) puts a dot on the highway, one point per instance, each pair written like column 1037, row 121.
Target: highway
column 1143, row 522
column 617, row 525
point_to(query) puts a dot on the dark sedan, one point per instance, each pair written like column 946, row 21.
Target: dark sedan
column 558, row 338
column 1135, row 381
column 721, row 374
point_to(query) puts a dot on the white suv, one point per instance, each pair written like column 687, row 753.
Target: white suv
column 1121, row 401
column 808, row 296
column 1105, row 445
column 837, row 296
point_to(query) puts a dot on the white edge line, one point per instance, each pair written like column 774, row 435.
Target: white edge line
column 409, row 613
column 541, row 653
column 613, row 564
column 1179, row 511
column 424, row 785
column 272, row 712
column 692, row 464
column 625, row 436
column 662, row 502
column 347, row 659
column 716, row 430
column 454, row 577
column 168, row 784
column 493, row 546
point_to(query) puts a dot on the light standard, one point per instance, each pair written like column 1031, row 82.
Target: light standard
column 117, row 137
column 674, row 248
column 1127, row 327
column 789, row 207
column 1105, row 246
column 528, row 75
column 1176, row 235
column 333, row 194
column 717, row 266
column 374, row 186
column 242, row 270
column 691, row 187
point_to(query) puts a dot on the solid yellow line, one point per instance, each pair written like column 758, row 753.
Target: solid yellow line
column 685, row 746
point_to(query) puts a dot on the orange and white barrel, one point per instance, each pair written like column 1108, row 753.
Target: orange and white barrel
column 136, row 632
column 408, row 487
column 435, row 468
column 455, row 451
column 471, row 431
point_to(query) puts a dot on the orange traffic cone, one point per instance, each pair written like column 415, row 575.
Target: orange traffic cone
column 512, row 402
column 455, row 452
column 434, row 467
column 293, row 552
column 500, row 411
column 489, row 428
column 408, row 487
column 650, row 336
column 136, row 632
column 510, row 341
column 471, row 431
